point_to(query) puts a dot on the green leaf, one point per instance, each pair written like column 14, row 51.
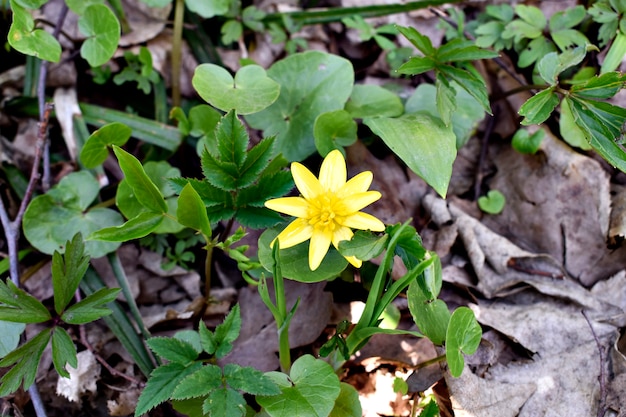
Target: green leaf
column 615, row 55
column 79, row 6
column 268, row 186
column 135, row 228
column 430, row 280
column 471, row 83
column 409, row 245
column 493, row 202
column 102, row 29
column 192, row 211
column 11, row 333
column 421, row 42
column 369, row 100
column 294, row 261
column 30, row 41
column 569, row 38
column 203, row 120
column 464, row 334
column 249, row 380
column 145, row 190
column 525, row 143
column 232, row 140
column 417, row 65
column 199, row 383
column 95, row 151
column 231, row 31
column 570, row 131
column 347, row 403
column 208, row 9
column 227, row 332
column 539, row 107
column 19, row 306
column 63, row 351
column 67, row 271
column 364, row 245
column 600, row 86
column 162, row 383
column 224, row 402
column 423, row 142
column 191, row 337
column 400, row 386
column 173, row 349
column 311, row 83
column 26, row 360
column 535, row 50
column 568, row 18
column 430, row 315
column 334, row 130
column 249, row 92
column 445, row 99
column 91, row 308
column 257, row 160
column 207, row 339
column 462, row 50
column 310, row 390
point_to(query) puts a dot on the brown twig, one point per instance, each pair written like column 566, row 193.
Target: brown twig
column 478, row 179
column 602, row 376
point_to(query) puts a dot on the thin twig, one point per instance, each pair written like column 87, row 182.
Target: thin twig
column 602, row 376
column 483, row 155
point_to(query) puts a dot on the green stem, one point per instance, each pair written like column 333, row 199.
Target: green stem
column 282, row 321
column 336, row 14
column 122, row 281
column 208, row 270
column 177, row 41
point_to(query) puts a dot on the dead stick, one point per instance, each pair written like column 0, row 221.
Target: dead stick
column 602, row 376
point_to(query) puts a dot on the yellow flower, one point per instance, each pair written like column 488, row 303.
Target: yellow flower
column 328, row 208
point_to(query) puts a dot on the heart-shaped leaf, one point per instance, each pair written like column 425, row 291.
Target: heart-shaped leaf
column 249, row 92
column 30, row 41
column 492, row 203
column 101, row 26
column 463, row 336
column 334, row 130
column 95, row 150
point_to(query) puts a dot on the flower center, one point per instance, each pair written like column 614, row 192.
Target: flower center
column 324, row 212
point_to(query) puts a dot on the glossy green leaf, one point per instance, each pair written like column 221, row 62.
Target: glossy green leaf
column 199, row 383
column 249, row 92
column 79, row 6
column 334, row 130
column 600, row 86
column 227, row 332
column 135, row 228
column 462, row 50
column 63, row 351
column 430, row 280
column 145, row 190
column 431, row 315
column 553, row 64
column 249, row 380
column 25, row 361
column 67, row 271
column 192, row 211
column 421, row 42
column 364, row 245
column 615, row 55
column 16, row 305
column 570, row 131
column 417, row 65
column 224, row 402
column 311, row 83
column 95, row 150
column 173, row 349
column 161, row 384
column 539, row 107
column 310, row 390
column 102, row 29
column 423, row 142
column 493, row 202
column 464, row 334
column 525, row 143
column 11, row 333
column 347, row 403
column 30, row 41
column 369, row 100
column 90, row 308
column 294, row 261
column 208, row 9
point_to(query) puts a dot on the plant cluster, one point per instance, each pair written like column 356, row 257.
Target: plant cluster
column 305, row 104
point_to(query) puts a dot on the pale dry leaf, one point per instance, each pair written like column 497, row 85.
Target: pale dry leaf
column 66, row 108
column 82, row 379
column 125, row 403
column 617, row 229
column 145, row 22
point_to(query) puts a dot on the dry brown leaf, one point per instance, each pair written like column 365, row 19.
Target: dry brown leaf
column 82, row 379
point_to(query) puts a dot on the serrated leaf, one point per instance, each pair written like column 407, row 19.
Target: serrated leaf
column 539, row 107
column 199, row 383
column 232, row 140
column 67, row 271
column 26, row 360
column 30, row 41
column 430, row 315
column 173, row 349
column 249, row 92
column 102, row 29
column 95, row 150
column 223, row 175
column 268, row 186
column 423, row 142
column 19, row 306
column 364, row 245
column 207, row 339
column 211, row 196
column 140, row 226
column 311, row 390
column 190, row 336
column 249, row 380
column 257, row 217
column 63, row 351
column 192, row 211
column 257, row 160
column 464, row 334
column 145, row 190
column 420, row 41
column 161, row 384
column 227, row 332
column 224, row 402
column 90, row 308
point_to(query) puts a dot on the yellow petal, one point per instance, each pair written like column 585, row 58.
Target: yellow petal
column 293, row 206
column 356, row 202
column 307, row 184
column 333, row 171
column 296, row 232
column 363, row 221
column 320, row 242
column 357, row 184
column 342, row 233
column 356, row 262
